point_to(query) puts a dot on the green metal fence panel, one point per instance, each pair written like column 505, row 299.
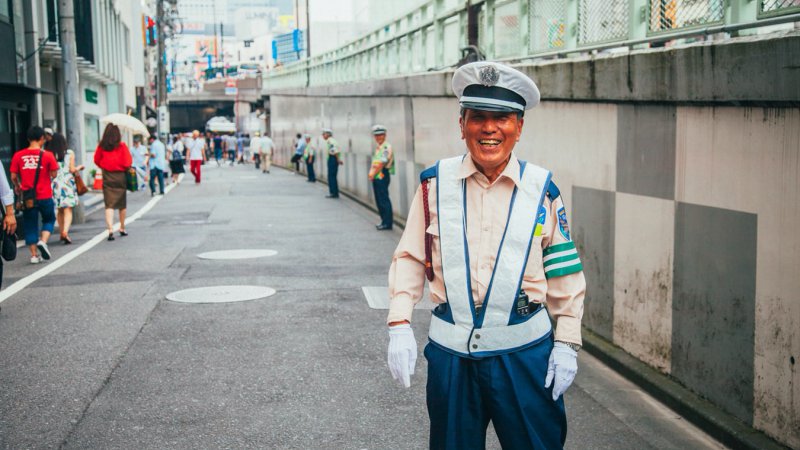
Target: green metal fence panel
column 668, row 15
column 431, row 37
column 770, row 8
column 548, row 25
column 602, row 21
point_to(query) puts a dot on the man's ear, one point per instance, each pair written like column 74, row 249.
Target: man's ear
column 461, row 125
column 521, row 122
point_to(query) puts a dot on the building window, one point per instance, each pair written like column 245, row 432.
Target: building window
column 5, row 11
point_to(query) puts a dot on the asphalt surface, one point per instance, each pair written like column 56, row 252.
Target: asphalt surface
column 94, row 356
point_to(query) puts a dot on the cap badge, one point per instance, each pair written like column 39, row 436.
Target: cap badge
column 489, row 75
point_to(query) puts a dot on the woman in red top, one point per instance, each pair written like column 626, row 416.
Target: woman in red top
column 113, row 156
column 24, row 166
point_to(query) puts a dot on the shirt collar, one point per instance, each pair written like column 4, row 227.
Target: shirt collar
column 511, row 171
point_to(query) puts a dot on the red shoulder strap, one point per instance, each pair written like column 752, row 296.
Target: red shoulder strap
column 428, row 237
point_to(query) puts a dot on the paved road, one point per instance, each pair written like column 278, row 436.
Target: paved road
column 94, row 356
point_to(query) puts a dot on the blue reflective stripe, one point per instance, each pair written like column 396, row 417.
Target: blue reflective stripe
column 552, row 191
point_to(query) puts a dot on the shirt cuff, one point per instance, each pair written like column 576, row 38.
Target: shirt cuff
column 7, row 199
column 400, row 308
column 568, row 329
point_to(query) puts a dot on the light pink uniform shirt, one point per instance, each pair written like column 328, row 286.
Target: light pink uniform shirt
column 487, row 214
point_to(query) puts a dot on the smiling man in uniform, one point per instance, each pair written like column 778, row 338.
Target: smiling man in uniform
column 490, row 234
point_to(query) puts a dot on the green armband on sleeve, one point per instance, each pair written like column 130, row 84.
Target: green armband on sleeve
column 561, row 259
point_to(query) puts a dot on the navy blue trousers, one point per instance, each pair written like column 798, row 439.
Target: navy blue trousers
column 310, row 170
column 508, row 390
column 333, row 171
column 382, row 200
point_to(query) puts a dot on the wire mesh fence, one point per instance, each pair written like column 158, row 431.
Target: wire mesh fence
column 602, row 20
column 548, row 24
column 506, row 29
column 777, row 7
column 668, row 15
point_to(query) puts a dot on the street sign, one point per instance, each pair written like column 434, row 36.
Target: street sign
column 231, row 90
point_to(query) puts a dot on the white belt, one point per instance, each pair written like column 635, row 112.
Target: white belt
column 480, row 342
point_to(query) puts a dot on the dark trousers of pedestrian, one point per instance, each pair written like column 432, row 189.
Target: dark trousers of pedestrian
column 382, row 200
column 333, row 171
column 194, row 167
column 30, row 219
column 156, row 173
column 310, row 169
column 464, row 394
column 296, row 160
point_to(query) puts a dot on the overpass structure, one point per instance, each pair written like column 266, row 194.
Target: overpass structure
column 673, row 130
column 237, row 98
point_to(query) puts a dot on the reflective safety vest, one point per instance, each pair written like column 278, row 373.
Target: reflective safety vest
column 497, row 327
column 384, row 154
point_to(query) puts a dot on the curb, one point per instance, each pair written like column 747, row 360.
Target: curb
column 720, row 425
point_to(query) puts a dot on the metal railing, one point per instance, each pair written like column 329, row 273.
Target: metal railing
column 433, row 36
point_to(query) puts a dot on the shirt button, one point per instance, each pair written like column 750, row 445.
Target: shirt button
column 477, row 336
column 474, row 345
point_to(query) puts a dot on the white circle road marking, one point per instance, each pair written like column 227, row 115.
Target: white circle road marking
column 243, row 253
column 221, row 294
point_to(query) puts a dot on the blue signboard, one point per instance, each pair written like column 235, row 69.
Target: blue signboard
column 289, row 47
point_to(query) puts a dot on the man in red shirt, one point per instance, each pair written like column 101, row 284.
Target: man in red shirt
column 23, row 173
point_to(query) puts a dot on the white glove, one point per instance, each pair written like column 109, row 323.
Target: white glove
column 562, row 367
column 402, row 353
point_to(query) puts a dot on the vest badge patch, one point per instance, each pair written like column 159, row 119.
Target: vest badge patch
column 563, row 226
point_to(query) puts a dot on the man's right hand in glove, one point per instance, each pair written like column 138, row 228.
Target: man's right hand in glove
column 402, row 355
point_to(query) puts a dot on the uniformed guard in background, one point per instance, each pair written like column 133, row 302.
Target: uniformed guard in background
column 490, row 234
column 380, row 174
column 334, row 161
column 309, row 156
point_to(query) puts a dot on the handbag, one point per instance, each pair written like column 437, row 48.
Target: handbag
column 28, row 196
column 132, row 180
column 8, row 246
column 80, row 186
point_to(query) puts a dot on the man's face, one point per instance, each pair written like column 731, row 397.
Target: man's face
column 380, row 138
column 196, row 134
column 490, row 136
column 325, row 135
column 308, row 139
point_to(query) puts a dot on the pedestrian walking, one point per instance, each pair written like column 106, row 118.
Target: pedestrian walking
column 334, row 161
column 176, row 160
column 380, row 173
column 217, row 147
column 240, row 149
column 65, row 195
column 255, row 147
column 310, row 157
column 140, row 157
column 266, row 153
column 157, row 160
column 299, row 149
column 492, row 354
column 32, row 171
column 114, row 158
column 230, row 147
column 248, row 154
column 197, row 154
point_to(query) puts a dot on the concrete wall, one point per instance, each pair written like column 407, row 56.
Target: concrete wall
column 681, row 170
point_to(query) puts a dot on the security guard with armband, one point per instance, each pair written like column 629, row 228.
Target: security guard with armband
column 380, row 173
column 490, row 233
column 334, row 161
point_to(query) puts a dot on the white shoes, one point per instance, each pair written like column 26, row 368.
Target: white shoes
column 36, row 259
column 43, row 249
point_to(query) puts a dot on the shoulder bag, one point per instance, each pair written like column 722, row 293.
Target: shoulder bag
column 28, row 200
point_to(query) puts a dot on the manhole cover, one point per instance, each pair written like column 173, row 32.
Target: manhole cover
column 221, row 294
column 238, row 254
